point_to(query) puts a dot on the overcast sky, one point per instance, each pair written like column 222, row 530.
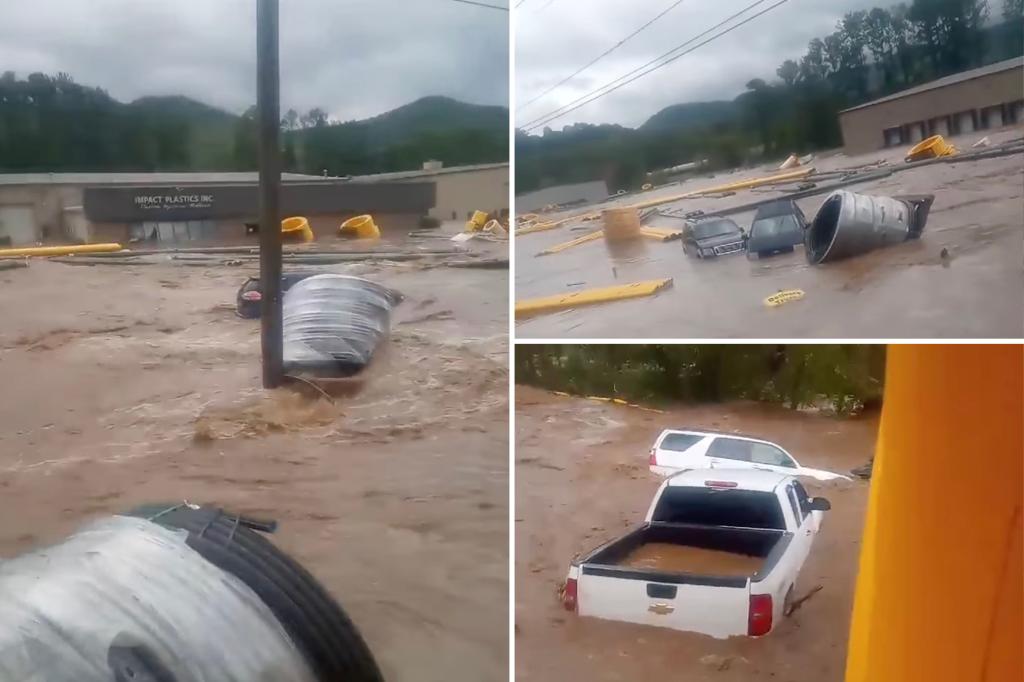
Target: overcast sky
column 353, row 58
column 556, row 37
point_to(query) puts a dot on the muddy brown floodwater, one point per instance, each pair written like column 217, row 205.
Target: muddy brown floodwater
column 128, row 385
column 582, row 479
column 909, row 290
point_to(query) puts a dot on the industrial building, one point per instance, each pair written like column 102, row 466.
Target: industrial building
column 172, row 208
column 460, row 189
column 988, row 97
column 563, row 195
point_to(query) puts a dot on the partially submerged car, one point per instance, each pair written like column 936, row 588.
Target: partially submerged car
column 777, row 228
column 678, row 449
column 708, row 237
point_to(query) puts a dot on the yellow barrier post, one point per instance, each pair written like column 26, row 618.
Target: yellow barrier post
column 45, row 251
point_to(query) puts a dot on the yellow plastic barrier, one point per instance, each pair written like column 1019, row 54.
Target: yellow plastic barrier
column 781, row 297
column 362, row 226
column 550, row 304
column 44, row 251
column 477, row 222
column 297, row 227
column 930, row 148
column 939, row 588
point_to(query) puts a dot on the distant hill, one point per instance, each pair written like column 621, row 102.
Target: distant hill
column 210, row 130
column 692, row 115
column 51, row 123
column 432, row 115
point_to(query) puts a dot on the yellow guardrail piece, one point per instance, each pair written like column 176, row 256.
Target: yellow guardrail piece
column 539, row 227
column 43, row 251
column 575, row 242
column 660, row 233
column 781, row 297
column 550, row 304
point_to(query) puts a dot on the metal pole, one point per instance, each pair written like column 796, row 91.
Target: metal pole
column 269, row 107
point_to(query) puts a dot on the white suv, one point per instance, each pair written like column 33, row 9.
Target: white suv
column 685, row 449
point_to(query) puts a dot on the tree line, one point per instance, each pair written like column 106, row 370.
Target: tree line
column 50, row 123
column 871, row 53
column 845, row 379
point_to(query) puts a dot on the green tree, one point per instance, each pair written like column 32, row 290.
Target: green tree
column 950, row 31
column 246, row 147
column 788, row 71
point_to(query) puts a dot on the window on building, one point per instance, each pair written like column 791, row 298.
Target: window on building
column 893, row 136
column 173, row 231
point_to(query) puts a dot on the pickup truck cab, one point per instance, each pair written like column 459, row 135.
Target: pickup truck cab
column 718, row 553
column 677, row 449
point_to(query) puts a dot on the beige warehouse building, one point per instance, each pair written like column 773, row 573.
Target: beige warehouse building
column 460, row 190
column 988, row 97
column 171, row 208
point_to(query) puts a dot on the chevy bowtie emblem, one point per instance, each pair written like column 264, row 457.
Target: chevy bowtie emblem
column 661, row 609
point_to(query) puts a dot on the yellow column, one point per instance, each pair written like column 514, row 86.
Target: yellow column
column 939, row 591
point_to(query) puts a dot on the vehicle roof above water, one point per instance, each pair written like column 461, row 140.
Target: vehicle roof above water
column 747, row 479
column 727, row 434
column 776, row 208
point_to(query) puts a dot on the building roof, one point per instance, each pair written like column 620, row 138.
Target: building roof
column 217, row 178
column 424, row 173
column 998, row 67
column 143, row 178
column 580, row 192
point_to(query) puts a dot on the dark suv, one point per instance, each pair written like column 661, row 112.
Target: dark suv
column 710, row 237
column 777, row 228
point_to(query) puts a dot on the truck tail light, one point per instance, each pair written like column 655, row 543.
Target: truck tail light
column 652, row 457
column 759, row 620
column 569, row 598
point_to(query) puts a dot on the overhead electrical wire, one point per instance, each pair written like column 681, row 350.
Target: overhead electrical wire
column 626, row 79
column 600, row 56
column 482, row 4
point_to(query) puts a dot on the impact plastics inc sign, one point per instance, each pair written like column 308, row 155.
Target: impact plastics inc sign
column 157, row 202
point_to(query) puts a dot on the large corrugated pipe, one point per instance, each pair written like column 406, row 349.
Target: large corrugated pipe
column 173, row 593
column 849, row 224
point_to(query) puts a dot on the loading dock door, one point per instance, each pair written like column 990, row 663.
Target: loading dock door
column 17, row 225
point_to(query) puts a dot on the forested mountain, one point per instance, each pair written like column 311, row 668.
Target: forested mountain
column 52, row 124
column 870, row 54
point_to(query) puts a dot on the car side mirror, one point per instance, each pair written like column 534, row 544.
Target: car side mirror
column 819, row 504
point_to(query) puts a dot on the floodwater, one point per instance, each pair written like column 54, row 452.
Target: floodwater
column 904, row 291
column 128, row 385
column 582, row 479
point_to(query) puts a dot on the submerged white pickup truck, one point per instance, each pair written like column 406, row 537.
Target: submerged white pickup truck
column 718, row 553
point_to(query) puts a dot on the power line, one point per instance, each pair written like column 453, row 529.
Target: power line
column 482, row 4
column 519, row 3
column 600, row 56
column 624, row 78
column 611, row 86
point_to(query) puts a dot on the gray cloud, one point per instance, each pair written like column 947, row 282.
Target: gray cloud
column 553, row 40
column 353, row 58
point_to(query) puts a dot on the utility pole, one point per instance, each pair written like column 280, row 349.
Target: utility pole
column 268, row 103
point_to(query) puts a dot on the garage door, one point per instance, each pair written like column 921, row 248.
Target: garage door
column 17, row 225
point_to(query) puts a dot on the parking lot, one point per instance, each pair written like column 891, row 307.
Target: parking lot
column 909, row 290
